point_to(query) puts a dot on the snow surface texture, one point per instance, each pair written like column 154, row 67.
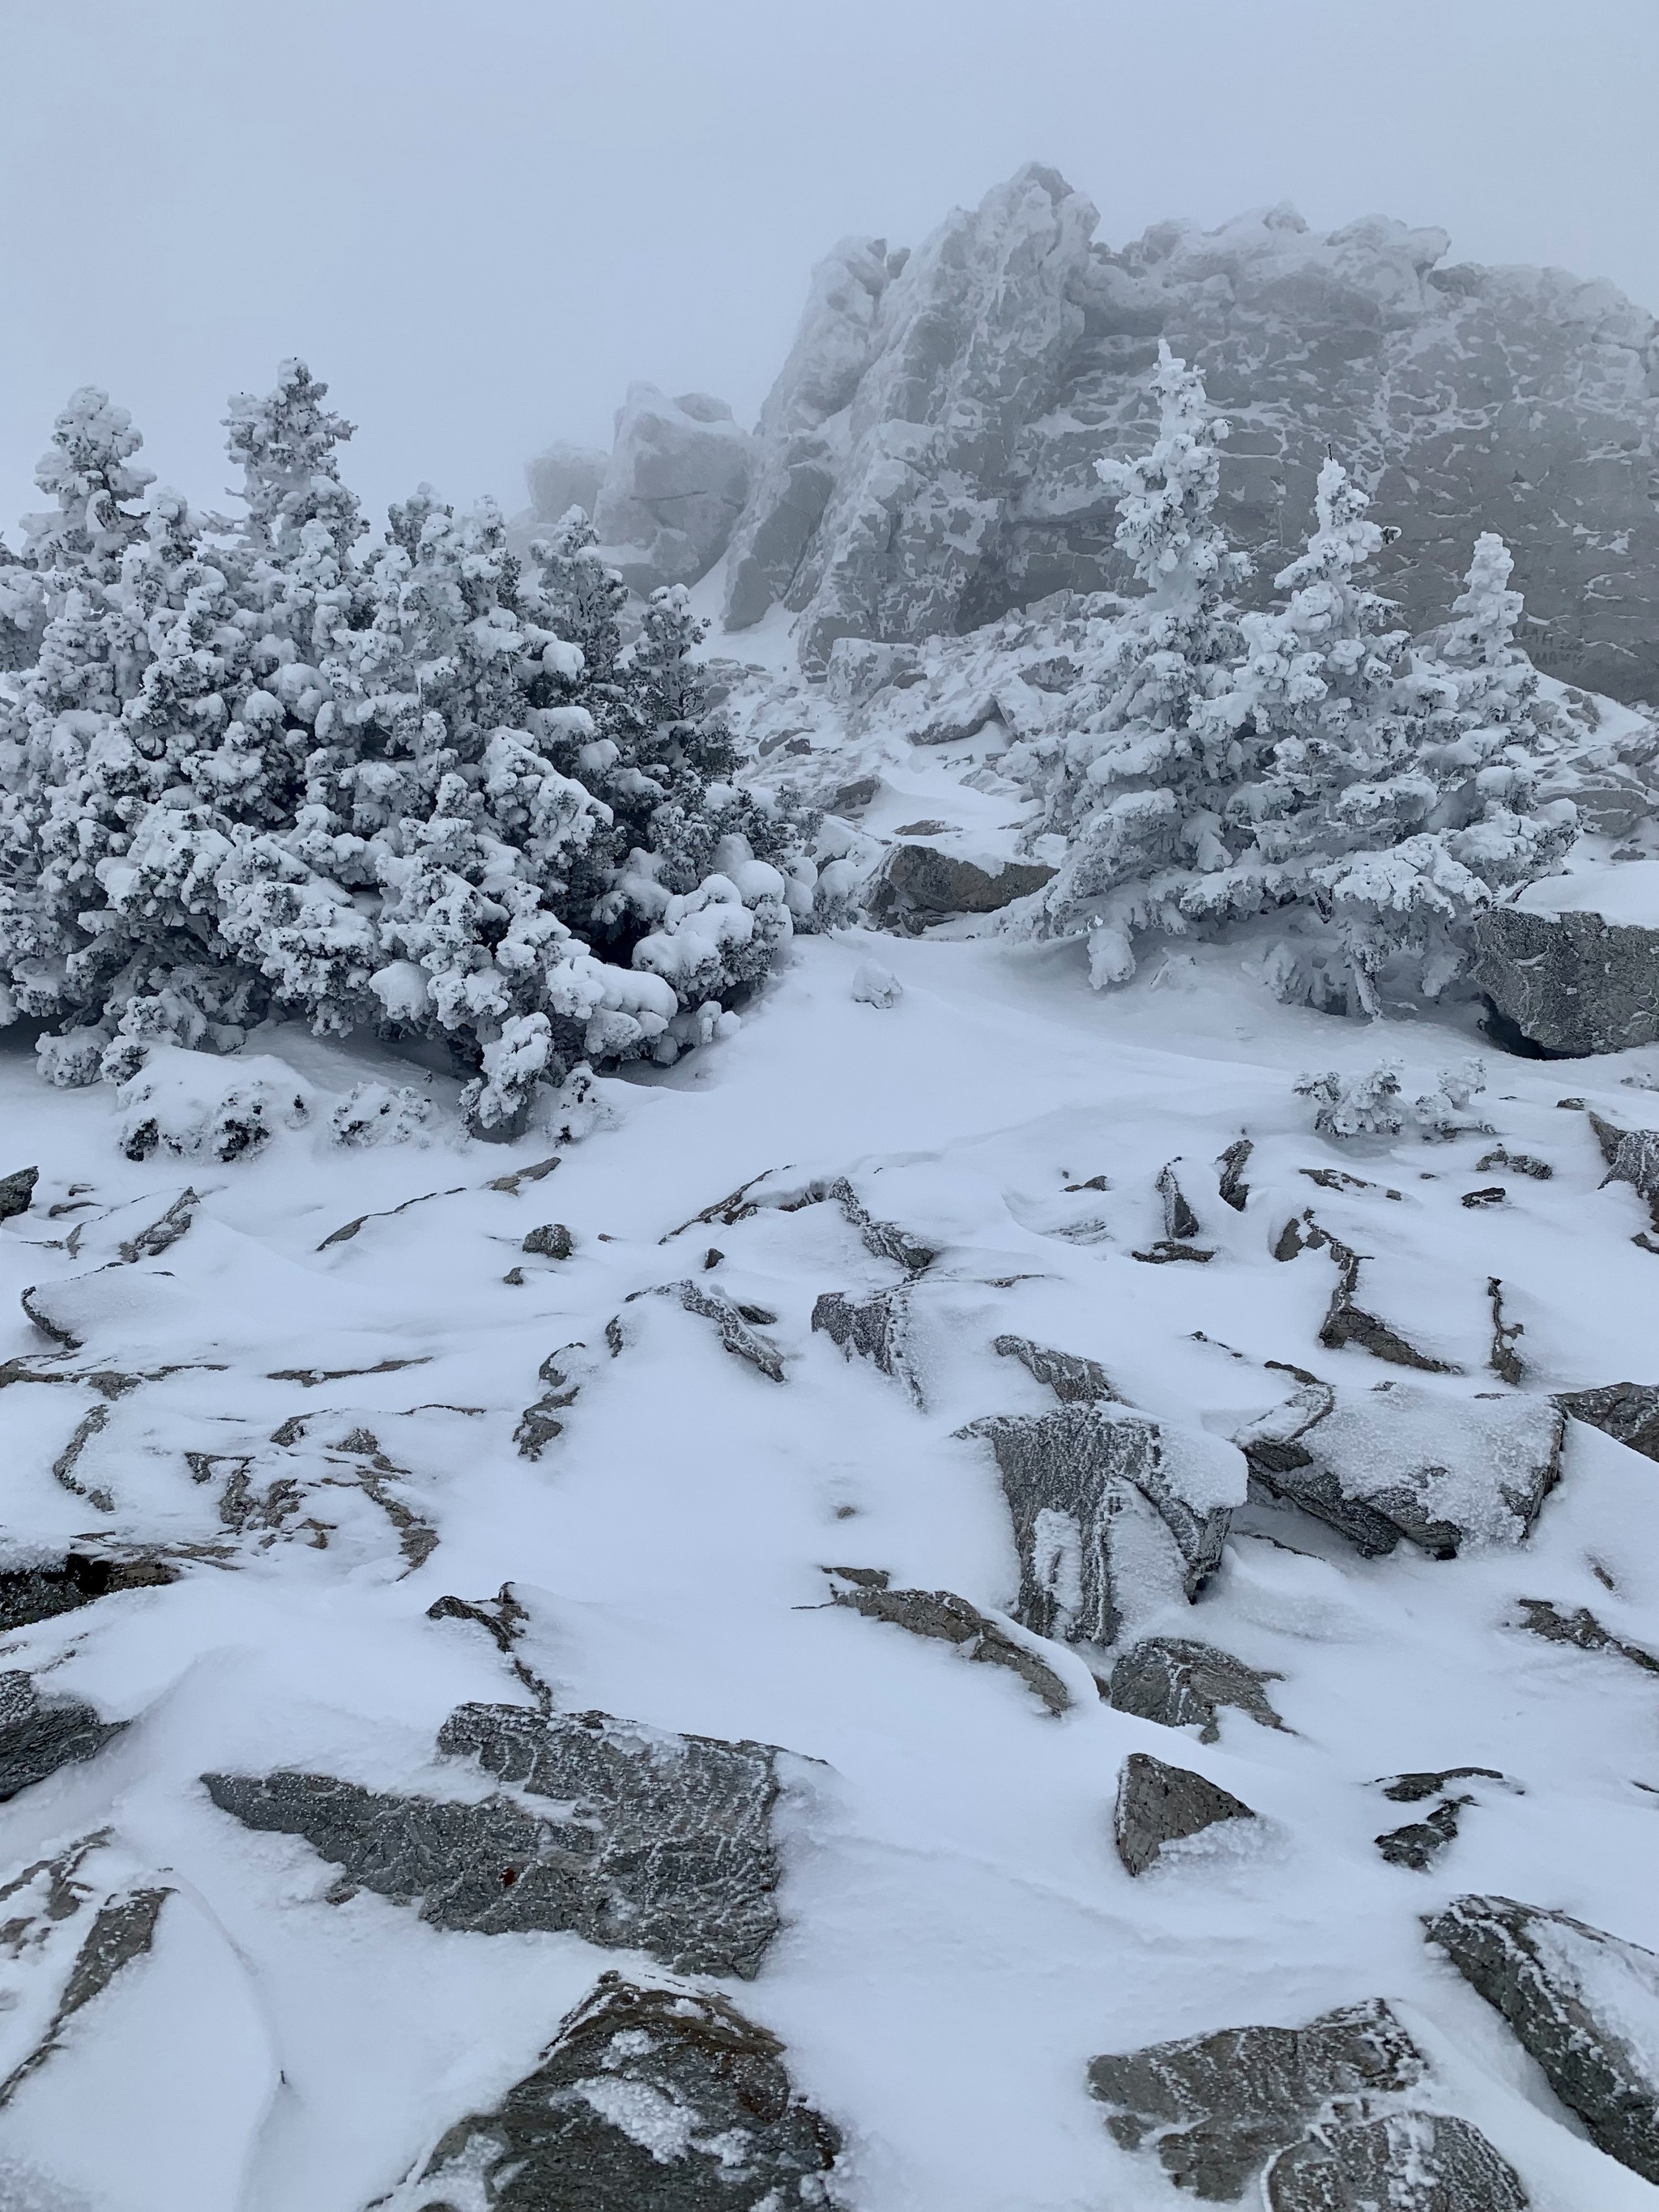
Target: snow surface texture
column 276, row 1510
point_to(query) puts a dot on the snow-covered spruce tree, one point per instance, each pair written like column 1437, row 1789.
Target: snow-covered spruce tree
column 1310, row 761
column 262, row 768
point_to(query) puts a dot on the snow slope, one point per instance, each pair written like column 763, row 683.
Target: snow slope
column 959, row 1937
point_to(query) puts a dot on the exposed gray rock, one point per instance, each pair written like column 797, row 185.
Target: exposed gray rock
column 858, row 668
column 736, row 1335
column 925, row 458
column 39, row 1734
column 1402, row 1461
column 1628, row 1410
column 17, row 1192
column 1235, row 1191
column 1582, row 1630
column 661, row 1842
column 674, row 487
column 1074, row 1380
column 1584, row 2003
column 951, row 1620
column 1632, row 1157
column 1158, row 1805
column 1504, row 1361
column 1517, row 1163
column 1412, row 1789
column 654, row 2099
column 123, row 1929
column 919, row 884
column 1420, row 1843
column 162, row 1233
column 1316, row 2107
column 539, row 1423
column 1178, row 1682
column 1106, row 1506
column 1345, row 1320
column 876, row 1328
column 41, row 1591
column 1165, row 1250
column 561, row 477
column 1570, row 983
column 885, row 1240
column 1181, row 1223
column 552, row 1241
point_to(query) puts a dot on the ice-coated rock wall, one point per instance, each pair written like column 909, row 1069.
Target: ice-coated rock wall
column 925, row 461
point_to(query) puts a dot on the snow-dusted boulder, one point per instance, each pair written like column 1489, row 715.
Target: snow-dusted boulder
column 39, row 1734
column 1572, row 965
column 1158, row 1805
column 1401, row 1462
column 926, row 459
column 1176, row 1682
column 1317, row 2112
column 1114, row 1515
column 562, row 477
column 664, row 2098
column 1584, row 2003
column 674, row 486
column 919, row 883
column 660, row 1842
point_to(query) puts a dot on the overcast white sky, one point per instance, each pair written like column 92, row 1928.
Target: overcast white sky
column 480, row 219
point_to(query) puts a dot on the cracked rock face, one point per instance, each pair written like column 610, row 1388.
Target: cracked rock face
column 674, row 488
column 1176, row 1682
column 39, row 1734
column 657, row 2099
column 925, row 461
column 1316, row 2111
column 1108, row 1509
column 1584, row 2003
column 660, row 1841
column 1400, row 1462
column 1570, row 983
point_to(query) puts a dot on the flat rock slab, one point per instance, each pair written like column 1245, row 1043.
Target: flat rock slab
column 1178, row 1682
column 39, row 1734
column 660, row 1841
column 1318, row 2110
column 1158, row 1805
column 1570, row 983
column 1108, row 1507
column 951, row 1620
column 1401, row 1461
column 1585, row 2004
column 650, row 2099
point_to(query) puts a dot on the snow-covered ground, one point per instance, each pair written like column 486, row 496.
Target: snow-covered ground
column 959, row 1936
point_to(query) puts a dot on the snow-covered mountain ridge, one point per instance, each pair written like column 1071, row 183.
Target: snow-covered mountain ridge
column 305, row 1396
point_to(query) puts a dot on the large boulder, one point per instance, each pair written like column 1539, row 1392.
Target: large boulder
column 921, row 884
column 925, row 458
column 562, row 477
column 675, row 485
column 1572, row 967
column 661, row 1843
column 1584, row 2003
column 1158, row 1805
column 1401, row 1462
column 1114, row 1513
column 1319, row 2112
column 658, row 2099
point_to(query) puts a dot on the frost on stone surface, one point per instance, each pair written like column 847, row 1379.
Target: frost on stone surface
column 659, row 2099
column 1401, row 1461
column 663, row 1842
column 1110, row 1512
column 950, row 1619
column 1585, row 2004
column 1177, row 1681
column 1316, row 2115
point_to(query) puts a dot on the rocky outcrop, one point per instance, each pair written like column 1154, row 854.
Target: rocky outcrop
column 659, row 2100
column 1316, row 2111
column 1584, row 2004
column 674, row 487
column 17, row 1192
column 919, row 884
column 1401, row 1462
column 876, row 1329
column 1627, row 1410
column 1158, row 1805
column 925, row 462
column 39, row 1734
column 1573, row 966
column 661, row 1843
column 1179, row 1683
column 951, row 1619
column 1110, row 1512
column 561, row 477
column 1074, row 1379
column 123, row 1929
column 1632, row 1157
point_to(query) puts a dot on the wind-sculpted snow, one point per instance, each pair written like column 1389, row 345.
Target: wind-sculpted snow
column 376, row 1481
